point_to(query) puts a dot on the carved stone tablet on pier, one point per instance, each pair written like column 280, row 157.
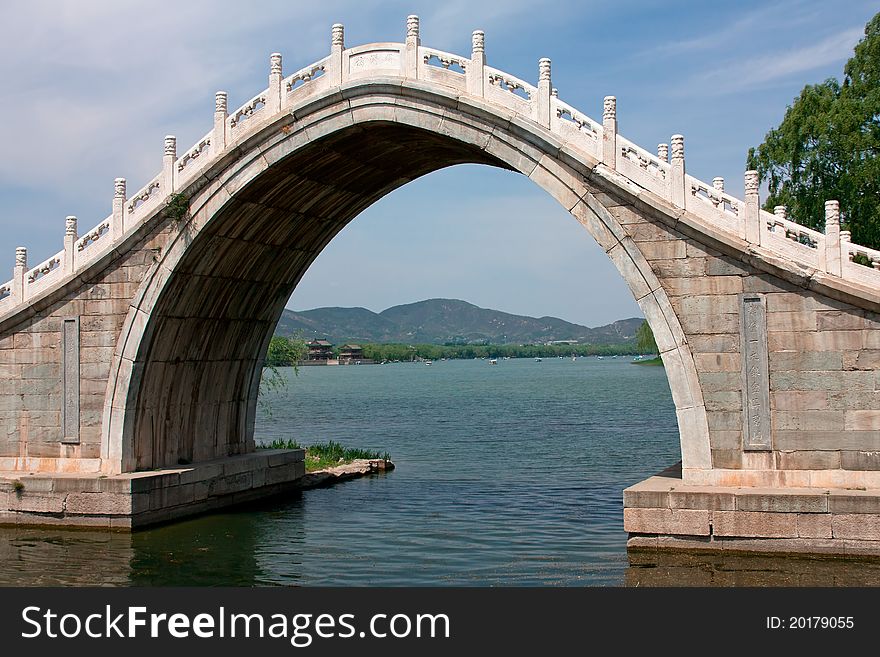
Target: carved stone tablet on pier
column 755, row 373
column 70, row 379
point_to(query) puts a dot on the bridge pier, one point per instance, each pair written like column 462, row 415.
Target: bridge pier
column 137, row 499
column 664, row 513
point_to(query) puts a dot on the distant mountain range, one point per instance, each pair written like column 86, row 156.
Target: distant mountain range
column 441, row 321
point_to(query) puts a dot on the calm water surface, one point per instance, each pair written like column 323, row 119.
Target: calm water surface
column 507, row 474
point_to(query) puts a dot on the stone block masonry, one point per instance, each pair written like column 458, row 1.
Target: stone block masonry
column 129, row 501
column 662, row 512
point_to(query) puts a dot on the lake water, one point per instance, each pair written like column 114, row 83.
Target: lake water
column 507, row 474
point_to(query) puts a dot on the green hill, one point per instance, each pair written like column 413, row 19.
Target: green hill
column 441, row 321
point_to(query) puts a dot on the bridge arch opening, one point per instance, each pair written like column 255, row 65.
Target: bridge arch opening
column 185, row 388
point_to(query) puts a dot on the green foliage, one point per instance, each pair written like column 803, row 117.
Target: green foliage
column 403, row 352
column 327, row 455
column 286, row 352
column 827, row 147
column 177, row 207
column 645, row 340
column 17, row 486
column 282, row 352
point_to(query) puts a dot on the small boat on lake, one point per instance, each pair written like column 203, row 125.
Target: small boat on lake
column 493, row 361
column 537, row 360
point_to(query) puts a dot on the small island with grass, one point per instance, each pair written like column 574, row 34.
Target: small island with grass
column 330, row 462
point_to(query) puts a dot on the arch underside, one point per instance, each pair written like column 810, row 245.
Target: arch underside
column 212, row 323
column 188, row 367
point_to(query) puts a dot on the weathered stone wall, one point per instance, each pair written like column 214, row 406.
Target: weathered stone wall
column 30, row 367
column 824, row 401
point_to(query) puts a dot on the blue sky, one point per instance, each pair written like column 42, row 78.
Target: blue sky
column 91, row 88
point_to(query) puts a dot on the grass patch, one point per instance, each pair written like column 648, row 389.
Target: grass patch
column 650, row 361
column 326, row 455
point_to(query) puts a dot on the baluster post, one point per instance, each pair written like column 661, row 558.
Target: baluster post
column 663, row 152
column 832, row 238
column 677, row 172
column 273, row 100
column 476, row 73
column 18, row 274
column 337, row 45
column 118, row 220
column 544, row 89
column 609, row 132
column 752, row 218
column 70, row 235
column 718, row 186
column 168, row 160
column 221, row 112
column 411, row 50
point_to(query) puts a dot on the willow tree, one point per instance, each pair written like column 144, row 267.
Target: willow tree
column 645, row 342
column 827, row 147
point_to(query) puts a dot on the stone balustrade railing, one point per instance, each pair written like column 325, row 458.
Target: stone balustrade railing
column 662, row 174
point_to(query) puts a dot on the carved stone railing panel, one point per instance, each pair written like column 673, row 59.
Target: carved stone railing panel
column 43, row 275
column 244, row 113
column 195, row 155
column 373, row 59
column 642, row 167
column 146, row 197
column 576, row 128
column 92, row 236
column 304, row 76
column 443, row 68
column 791, row 230
column 716, row 207
column 510, row 92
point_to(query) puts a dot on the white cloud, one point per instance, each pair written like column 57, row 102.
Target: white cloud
column 757, row 72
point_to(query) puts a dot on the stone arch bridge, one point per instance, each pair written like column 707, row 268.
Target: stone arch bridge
column 131, row 359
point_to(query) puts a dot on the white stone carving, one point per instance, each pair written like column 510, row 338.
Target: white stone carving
column 193, row 153
column 304, row 75
column 751, row 182
column 478, row 41
column 444, row 60
column 43, row 269
column 143, row 196
column 220, row 102
column 380, row 59
column 609, row 108
column 780, row 225
column 543, row 69
column 511, row 84
column 337, row 35
column 412, row 27
column 247, row 110
column 663, row 152
column 93, row 236
column 583, row 123
column 170, row 146
column 645, row 161
column 677, row 148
